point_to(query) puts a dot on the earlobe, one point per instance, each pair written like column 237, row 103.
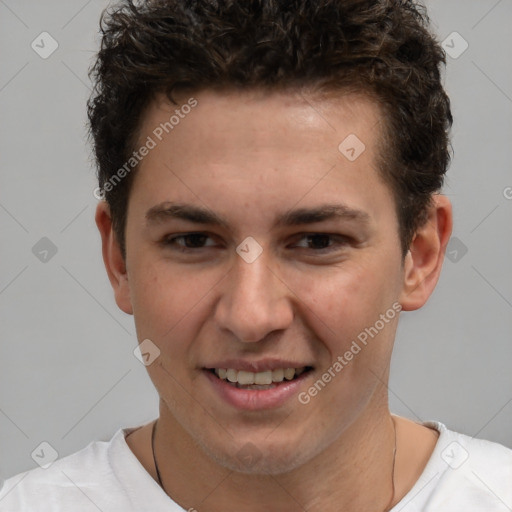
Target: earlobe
column 113, row 258
column 424, row 260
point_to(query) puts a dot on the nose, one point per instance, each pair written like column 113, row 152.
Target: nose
column 254, row 301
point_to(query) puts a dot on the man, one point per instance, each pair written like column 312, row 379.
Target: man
column 271, row 175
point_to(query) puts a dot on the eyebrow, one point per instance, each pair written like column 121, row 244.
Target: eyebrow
column 320, row 214
column 188, row 212
column 300, row 216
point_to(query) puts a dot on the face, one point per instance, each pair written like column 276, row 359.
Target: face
column 255, row 244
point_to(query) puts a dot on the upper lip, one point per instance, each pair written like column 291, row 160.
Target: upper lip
column 256, row 366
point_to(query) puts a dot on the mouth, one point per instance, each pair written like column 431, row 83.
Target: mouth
column 266, row 389
column 262, row 380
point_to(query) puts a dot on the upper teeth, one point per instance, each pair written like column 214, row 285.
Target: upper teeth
column 267, row 377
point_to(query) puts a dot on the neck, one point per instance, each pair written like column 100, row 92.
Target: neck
column 356, row 472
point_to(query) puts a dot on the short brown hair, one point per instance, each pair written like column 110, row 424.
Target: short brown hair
column 382, row 48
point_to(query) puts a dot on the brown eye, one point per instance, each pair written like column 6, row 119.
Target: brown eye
column 318, row 241
column 321, row 242
column 188, row 241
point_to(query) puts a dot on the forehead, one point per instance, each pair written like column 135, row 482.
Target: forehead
column 265, row 149
column 258, row 115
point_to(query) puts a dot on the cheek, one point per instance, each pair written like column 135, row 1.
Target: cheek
column 344, row 313
column 167, row 301
column 170, row 307
column 341, row 305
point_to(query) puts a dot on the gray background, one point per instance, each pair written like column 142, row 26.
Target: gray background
column 67, row 370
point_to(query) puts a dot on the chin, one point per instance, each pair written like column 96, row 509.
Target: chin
column 253, row 458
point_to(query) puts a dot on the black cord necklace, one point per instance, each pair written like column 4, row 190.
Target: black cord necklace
column 154, row 456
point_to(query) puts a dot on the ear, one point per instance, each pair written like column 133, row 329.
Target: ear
column 423, row 262
column 113, row 258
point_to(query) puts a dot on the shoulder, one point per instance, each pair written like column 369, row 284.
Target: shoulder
column 463, row 473
column 477, row 456
column 483, row 468
column 75, row 482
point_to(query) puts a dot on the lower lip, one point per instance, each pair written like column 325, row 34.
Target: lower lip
column 257, row 399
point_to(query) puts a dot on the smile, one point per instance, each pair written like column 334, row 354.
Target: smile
column 261, row 390
column 258, row 380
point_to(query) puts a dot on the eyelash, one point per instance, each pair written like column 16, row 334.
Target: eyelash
column 171, row 241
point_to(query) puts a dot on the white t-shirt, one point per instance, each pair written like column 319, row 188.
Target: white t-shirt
column 462, row 475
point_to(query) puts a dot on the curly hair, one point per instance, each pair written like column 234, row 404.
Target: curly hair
column 381, row 48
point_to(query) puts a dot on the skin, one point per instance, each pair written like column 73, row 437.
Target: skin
column 250, row 157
